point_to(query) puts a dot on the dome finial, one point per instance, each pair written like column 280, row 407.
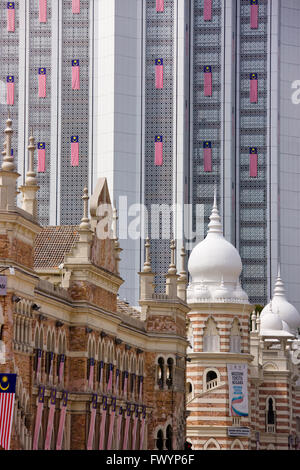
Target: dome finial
column 215, row 225
column 279, row 289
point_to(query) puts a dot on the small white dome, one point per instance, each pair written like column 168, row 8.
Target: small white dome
column 270, row 320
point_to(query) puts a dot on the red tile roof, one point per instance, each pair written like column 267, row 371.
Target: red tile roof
column 52, row 243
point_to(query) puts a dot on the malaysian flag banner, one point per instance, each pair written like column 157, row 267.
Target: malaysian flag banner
column 158, row 150
column 42, row 82
column 39, row 360
column 135, row 421
column 142, row 430
column 7, row 400
column 119, row 424
column 91, row 374
column 109, row 385
column 11, row 17
column 125, row 383
column 74, row 150
column 141, row 379
column 75, row 75
column 75, row 6
column 253, row 162
column 10, row 95
column 50, row 419
column 207, row 156
column 43, row 11
column 159, row 73
column 61, row 368
column 62, row 419
column 159, row 6
column 253, row 88
column 111, row 423
column 253, row 14
column 207, row 10
column 117, row 380
column 207, row 80
column 102, row 425
column 41, row 146
column 92, row 423
column 38, row 418
column 127, row 423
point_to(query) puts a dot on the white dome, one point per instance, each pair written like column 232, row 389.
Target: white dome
column 215, row 259
column 270, row 320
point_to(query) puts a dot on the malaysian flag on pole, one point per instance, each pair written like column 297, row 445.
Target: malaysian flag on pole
column 42, row 82
column 158, row 150
column 76, row 6
column 125, row 383
column 109, row 385
column 10, row 86
column 159, row 5
column 74, row 150
column 119, row 424
column 135, row 421
column 75, row 75
column 141, row 379
column 127, row 423
column 111, row 423
column 38, row 418
column 92, row 423
column 50, row 419
column 207, row 10
column 253, row 162
column 62, row 419
column 43, row 11
column 253, row 14
column 7, row 400
column 61, row 368
column 102, row 425
column 207, row 80
column 142, row 430
column 11, row 17
column 253, row 88
column 41, row 146
column 207, row 156
column 159, row 73
column 91, row 374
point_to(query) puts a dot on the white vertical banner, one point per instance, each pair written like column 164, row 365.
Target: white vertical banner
column 238, row 389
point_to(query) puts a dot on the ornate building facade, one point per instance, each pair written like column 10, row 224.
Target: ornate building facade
column 243, row 387
column 92, row 372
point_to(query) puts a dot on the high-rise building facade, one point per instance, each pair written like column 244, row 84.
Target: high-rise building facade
column 176, row 97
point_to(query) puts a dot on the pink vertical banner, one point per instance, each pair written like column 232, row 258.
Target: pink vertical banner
column 75, row 75
column 159, row 73
column 253, row 162
column 158, row 150
column 50, row 419
column 125, row 383
column 117, row 381
column 38, row 365
column 142, row 431
column 207, row 156
column 92, row 423
column 253, row 88
column 61, row 368
column 207, row 10
column 74, row 150
column 51, row 364
column 111, row 423
column 38, row 418
column 41, row 146
column 102, row 425
column 253, row 14
column 119, row 425
column 101, row 365
column 11, row 17
column 10, row 90
column 159, row 6
column 91, row 374
column 135, row 421
column 62, row 419
column 141, row 379
column 127, row 423
column 42, row 82
column 109, row 385
column 207, row 80
column 75, row 6
column 43, row 11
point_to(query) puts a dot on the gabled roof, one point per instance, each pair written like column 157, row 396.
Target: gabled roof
column 52, row 243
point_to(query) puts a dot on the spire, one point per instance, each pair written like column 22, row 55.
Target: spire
column 182, row 279
column 30, row 179
column 146, row 277
column 172, row 267
column 279, row 289
column 85, row 221
column 147, row 263
column 8, row 161
column 215, row 225
column 183, row 274
column 29, row 203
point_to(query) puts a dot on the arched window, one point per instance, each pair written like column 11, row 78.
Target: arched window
column 160, row 372
column 211, row 379
column 270, row 415
column 211, row 338
column 235, row 337
column 189, row 390
column 169, row 438
column 160, row 440
column 170, row 365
